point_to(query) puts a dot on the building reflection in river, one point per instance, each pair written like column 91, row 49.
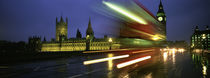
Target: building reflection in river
column 201, row 63
column 204, row 70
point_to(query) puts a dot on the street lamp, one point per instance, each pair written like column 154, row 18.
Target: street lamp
column 110, row 41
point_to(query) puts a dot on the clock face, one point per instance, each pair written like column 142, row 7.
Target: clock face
column 160, row 18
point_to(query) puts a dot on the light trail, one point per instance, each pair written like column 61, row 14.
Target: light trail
column 125, row 12
column 160, row 37
column 142, row 51
column 106, row 51
column 104, row 59
column 121, row 65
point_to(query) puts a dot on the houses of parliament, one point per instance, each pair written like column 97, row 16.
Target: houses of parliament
column 90, row 42
column 63, row 43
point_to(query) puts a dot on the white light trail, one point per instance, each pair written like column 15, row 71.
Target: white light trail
column 121, row 65
column 143, row 51
column 125, row 12
column 104, row 59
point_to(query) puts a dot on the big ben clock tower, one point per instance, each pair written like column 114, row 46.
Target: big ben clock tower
column 162, row 18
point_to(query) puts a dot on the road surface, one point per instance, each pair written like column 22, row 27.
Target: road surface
column 146, row 63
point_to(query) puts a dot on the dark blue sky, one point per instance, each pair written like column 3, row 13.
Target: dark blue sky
column 20, row 19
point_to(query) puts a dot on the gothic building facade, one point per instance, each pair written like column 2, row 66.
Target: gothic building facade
column 63, row 43
column 61, row 29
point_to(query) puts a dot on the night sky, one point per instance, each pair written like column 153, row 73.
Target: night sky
column 20, row 19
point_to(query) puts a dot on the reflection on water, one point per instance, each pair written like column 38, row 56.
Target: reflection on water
column 110, row 62
column 170, row 54
column 204, row 70
column 165, row 55
column 110, row 66
column 173, row 57
column 201, row 61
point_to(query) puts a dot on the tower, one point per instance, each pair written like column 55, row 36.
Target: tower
column 78, row 35
column 89, row 31
column 161, row 16
column 89, row 35
column 61, row 29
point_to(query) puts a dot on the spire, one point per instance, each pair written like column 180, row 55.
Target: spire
column 160, row 3
column 44, row 39
column 79, row 35
column 89, row 30
column 61, row 20
column 161, row 7
column 89, row 26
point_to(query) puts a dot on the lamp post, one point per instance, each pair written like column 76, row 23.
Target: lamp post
column 87, row 42
column 110, row 41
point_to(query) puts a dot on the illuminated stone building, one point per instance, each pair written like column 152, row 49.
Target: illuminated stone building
column 161, row 16
column 61, row 29
column 200, row 39
column 63, row 43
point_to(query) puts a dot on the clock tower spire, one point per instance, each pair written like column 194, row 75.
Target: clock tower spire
column 161, row 14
